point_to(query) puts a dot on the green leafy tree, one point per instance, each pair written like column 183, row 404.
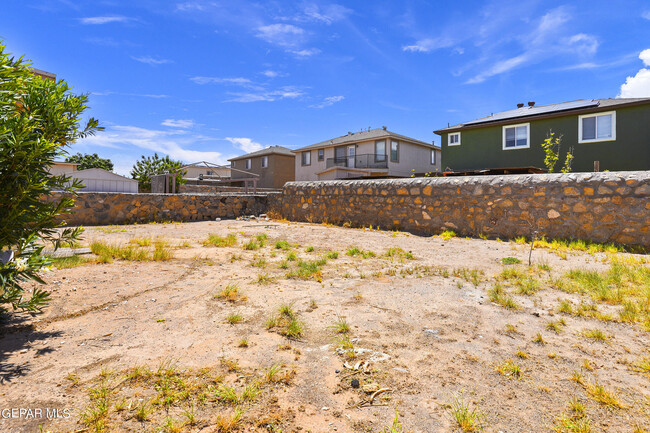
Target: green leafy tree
column 552, row 146
column 148, row 166
column 38, row 118
column 87, row 161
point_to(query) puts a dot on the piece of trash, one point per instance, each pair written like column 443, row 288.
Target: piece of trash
column 107, row 335
column 431, row 331
column 403, row 370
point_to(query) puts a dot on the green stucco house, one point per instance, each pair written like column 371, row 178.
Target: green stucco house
column 614, row 132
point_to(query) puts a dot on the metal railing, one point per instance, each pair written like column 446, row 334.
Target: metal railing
column 369, row 160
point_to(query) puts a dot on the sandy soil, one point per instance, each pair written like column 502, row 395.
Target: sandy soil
column 426, row 332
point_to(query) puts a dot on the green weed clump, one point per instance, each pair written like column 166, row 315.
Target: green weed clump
column 356, row 252
column 220, row 241
column 499, row 296
column 106, row 253
column 307, row 270
column 470, row 420
column 447, row 234
column 286, row 321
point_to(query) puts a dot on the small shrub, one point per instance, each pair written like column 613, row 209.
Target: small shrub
column 283, row 245
column 220, row 241
column 447, row 234
column 510, row 260
column 510, row 369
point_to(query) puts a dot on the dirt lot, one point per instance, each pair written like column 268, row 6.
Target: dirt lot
column 142, row 345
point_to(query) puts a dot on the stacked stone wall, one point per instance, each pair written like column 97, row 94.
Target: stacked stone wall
column 115, row 208
column 602, row 207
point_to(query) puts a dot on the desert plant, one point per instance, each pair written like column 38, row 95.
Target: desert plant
column 38, row 119
column 552, row 146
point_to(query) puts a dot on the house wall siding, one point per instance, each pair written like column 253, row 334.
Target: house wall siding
column 281, row 169
column 481, row 148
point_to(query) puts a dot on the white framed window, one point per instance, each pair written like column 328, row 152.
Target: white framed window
column 321, row 154
column 433, row 157
column 248, row 164
column 453, row 139
column 265, row 161
column 597, row 127
column 306, row 158
column 516, row 136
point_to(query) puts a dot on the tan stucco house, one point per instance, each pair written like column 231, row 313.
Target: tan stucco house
column 62, row 167
column 272, row 167
column 372, row 153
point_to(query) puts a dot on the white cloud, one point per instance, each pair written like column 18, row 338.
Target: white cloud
column 185, row 124
column 327, row 14
column 499, row 68
column 305, row 52
column 330, row 100
column 583, row 43
column 270, row 74
column 139, row 95
column 245, row 144
column 104, row 20
column 428, row 45
column 190, row 6
column 646, row 15
column 284, row 35
column 237, row 81
column 287, row 92
column 639, row 85
column 177, row 144
column 151, row 61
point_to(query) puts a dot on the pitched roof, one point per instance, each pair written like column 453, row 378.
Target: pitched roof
column 272, row 150
column 372, row 134
column 582, row 105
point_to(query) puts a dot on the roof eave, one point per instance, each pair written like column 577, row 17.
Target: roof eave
column 540, row 116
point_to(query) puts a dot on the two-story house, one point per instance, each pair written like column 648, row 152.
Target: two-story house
column 272, row 167
column 366, row 154
column 608, row 134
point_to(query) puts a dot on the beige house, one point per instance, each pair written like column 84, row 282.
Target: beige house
column 365, row 154
column 60, row 167
column 272, row 167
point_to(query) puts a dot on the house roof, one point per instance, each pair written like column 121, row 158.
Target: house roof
column 272, row 150
column 97, row 173
column 551, row 110
column 372, row 134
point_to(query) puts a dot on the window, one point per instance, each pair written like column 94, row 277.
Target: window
column 265, row 161
column 453, row 139
column 248, row 164
column 394, row 151
column 516, row 136
column 597, row 127
column 433, row 157
column 209, row 173
column 306, row 158
column 380, row 151
column 321, row 154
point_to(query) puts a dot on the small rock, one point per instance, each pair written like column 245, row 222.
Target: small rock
column 355, row 384
column 217, row 219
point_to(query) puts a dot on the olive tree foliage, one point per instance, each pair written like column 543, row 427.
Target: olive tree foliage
column 38, row 119
column 552, row 146
column 148, row 166
column 87, row 161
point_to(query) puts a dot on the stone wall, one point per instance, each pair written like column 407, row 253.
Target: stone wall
column 98, row 208
column 602, row 207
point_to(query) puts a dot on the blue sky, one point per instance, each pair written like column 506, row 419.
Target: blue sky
column 209, row 80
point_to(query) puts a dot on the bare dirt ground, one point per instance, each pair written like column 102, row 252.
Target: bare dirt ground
column 145, row 345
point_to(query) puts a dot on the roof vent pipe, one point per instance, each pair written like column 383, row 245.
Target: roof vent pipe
column 384, row 127
column 531, row 103
column 520, row 105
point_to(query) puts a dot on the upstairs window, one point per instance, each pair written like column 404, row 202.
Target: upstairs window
column 306, row 158
column 265, row 161
column 516, row 136
column 248, row 164
column 597, row 127
column 433, row 157
column 394, row 151
column 321, row 154
column 453, row 139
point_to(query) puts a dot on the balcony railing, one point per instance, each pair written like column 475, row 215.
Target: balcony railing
column 369, row 160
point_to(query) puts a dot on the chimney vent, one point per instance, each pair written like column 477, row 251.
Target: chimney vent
column 520, row 105
column 384, row 127
column 531, row 103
